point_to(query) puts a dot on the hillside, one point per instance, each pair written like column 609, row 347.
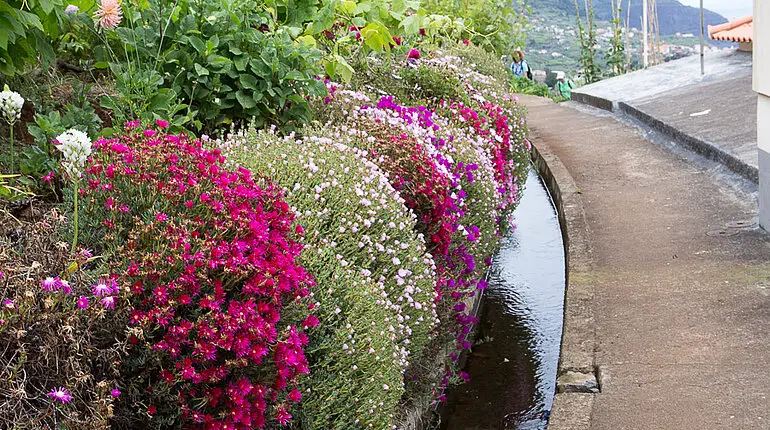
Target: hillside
column 552, row 42
column 673, row 16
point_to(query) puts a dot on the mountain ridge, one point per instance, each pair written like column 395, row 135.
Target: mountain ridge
column 673, row 16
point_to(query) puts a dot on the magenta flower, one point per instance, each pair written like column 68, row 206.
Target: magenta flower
column 108, row 302
column 49, row 283
column 49, row 177
column 295, row 395
column 413, row 54
column 161, row 123
column 102, row 289
column 83, row 302
column 161, row 217
column 149, row 133
column 132, row 124
column 9, row 304
column 64, row 286
column 115, row 392
column 60, row 394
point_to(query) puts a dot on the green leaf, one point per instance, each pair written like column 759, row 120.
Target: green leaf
column 198, row 44
column 307, row 40
column 348, row 6
column 248, row 81
column 343, row 68
column 245, row 100
column 200, row 70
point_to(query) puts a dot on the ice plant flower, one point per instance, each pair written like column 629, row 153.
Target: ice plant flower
column 9, row 304
column 115, row 392
column 60, row 394
column 108, row 302
column 413, row 54
column 109, row 14
column 50, row 284
column 82, row 302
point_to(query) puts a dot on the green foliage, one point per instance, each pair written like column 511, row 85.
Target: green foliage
column 587, row 36
column 498, row 25
column 26, row 27
column 369, row 265
column 206, row 64
column 525, row 86
column 616, row 55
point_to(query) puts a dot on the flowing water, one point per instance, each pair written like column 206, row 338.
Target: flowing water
column 513, row 365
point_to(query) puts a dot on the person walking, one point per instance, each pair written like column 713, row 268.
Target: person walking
column 519, row 66
column 564, row 86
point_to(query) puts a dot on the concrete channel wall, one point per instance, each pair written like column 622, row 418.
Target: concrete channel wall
column 577, row 378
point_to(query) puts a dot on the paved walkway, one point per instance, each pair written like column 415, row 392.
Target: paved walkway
column 667, row 304
column 715, row 114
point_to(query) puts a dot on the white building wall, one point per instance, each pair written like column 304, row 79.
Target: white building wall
column 762, row 87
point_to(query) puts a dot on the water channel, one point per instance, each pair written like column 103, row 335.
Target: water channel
column 514, row 362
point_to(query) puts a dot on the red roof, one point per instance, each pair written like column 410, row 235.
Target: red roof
column 739, row 30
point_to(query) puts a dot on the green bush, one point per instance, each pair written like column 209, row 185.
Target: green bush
column 208, row 64
column 375, row 279
column 26, row 27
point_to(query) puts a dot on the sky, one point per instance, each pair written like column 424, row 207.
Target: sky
column 728, row 8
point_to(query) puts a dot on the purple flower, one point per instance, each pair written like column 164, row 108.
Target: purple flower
column 49, row 283
column 102, row 289
column 108, row 302
column 115, row 392
column 64, row 286
column 9, row 304
column 83, row 302
column 60, row 394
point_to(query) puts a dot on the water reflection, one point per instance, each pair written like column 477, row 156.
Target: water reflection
column 513, row 368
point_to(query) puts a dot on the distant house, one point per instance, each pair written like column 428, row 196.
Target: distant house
column 739, row 31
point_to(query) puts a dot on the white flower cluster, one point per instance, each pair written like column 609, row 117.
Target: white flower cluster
column 76, row 147
column 10, row 105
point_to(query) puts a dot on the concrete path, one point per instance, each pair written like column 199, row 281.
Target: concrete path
column 666, row 304
column 714, row 114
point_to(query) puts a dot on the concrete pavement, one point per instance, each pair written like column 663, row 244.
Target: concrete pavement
column 714, row 115
column 668, row 298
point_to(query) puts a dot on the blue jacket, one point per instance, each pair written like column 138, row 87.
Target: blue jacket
column 520, row 68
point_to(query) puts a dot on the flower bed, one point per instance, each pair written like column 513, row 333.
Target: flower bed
column 312, row 281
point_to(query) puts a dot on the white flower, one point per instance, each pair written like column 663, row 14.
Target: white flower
column 71, row 9
column 10, row 105
column 76, row 147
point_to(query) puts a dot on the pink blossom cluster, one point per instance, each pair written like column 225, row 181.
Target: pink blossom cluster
column 209, row 258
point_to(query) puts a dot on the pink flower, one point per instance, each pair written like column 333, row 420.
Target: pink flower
column 102, row 289
column 9, row 304
column 109, row 14
column 60, row 394
column 149, row 133
column 64, row 286
column 413, row 54
column 83, row 302
column 49, row 284
column 161, row 123
column 310, row 321
column 466, row 41
column 108, row 302
column 295, row 395
column 115, row 392
column 49, row 177
column 161, row 217
column 282, row 415
column 132, row 124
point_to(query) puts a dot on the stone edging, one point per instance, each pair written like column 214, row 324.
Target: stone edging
column 578, row 378
column 699, row 146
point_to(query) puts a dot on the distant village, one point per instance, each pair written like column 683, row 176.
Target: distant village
column 563, row 43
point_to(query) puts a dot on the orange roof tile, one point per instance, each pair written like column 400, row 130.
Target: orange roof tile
column 739, row 30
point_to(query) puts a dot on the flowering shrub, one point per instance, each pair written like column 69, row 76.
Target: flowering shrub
column 206, row 258
column 459, row 169
column 354, row 221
